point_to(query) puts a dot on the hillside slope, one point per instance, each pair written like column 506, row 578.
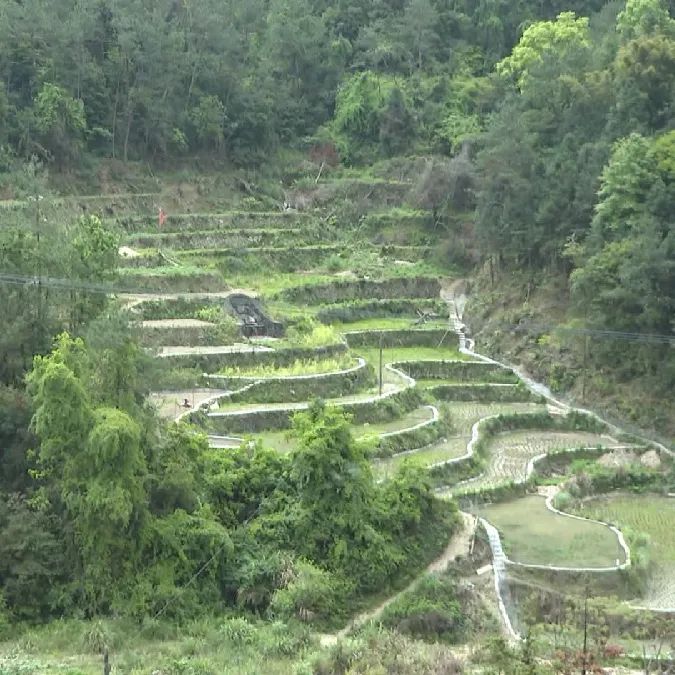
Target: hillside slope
column 531, row 325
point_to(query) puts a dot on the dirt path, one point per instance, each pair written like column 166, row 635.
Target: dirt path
column 170, row 404
column 459, row 545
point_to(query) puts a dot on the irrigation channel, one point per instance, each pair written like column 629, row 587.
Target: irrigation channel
column 230, row 406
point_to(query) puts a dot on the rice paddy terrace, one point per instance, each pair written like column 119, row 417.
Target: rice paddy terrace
column 366, row 328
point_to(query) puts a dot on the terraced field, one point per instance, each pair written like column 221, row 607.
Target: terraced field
column 533, row 535
column 653, row 516
column 413, row 345
column 382, row 304
column 509, row 454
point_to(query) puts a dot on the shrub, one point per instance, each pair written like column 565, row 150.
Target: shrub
column 308, row 333
column 190, row 667
column 239, row 631
column 96, row 638
column 310, row 595
column 281, row 639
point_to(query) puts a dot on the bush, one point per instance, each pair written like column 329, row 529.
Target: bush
column 96, row 638
column 281, row 639
column 239, row 631
column 310, row 595
column 431, row 611
column 190, row 667
column 314, row 335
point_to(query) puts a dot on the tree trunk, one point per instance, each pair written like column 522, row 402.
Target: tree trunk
column 114, row 119
column 130, row 114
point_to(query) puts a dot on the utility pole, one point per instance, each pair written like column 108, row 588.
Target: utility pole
column 584, row 656
column 585, row 366
column 381, row 340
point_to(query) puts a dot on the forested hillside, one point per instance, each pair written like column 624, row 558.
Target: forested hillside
column 238, row 417
column 238, row 78
column 552, row 120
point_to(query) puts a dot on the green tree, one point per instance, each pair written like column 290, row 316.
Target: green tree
column 33, row 566
column 643, row 17
column 94, row 259
column 208, row 118
column 645, row 84
column 626, row 181
column 397, row 127
column 567, row 34
column 336, row 519
column 63, row 416
column 418, row 31
column 92, row 469
column 104, row 492
column 358, row 107
column 60, row 122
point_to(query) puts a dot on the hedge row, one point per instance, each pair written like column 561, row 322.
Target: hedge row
column 357, row 310
column 221, row 238
column 404, row 337
column 212, row 363
column 492, row 495
column 287, row 259
column 201, row 336
column 386, row 409
column 247, row 423
column 140, row 261
column 408, row 253
column 363, row 289
column 607, row 613
column 174, row 379
column 170, row 279
column 517, row 393
column 175, row 308
column 211, row 221
column 380, row 410
column 461, row 371
column 292, row 389
column 413, row 439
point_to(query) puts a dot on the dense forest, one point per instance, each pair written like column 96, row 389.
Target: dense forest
column 552, row 131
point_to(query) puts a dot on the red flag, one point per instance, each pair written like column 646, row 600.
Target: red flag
column 162, row 217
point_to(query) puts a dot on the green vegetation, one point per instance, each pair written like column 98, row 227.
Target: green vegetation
column 648, row 520
column 300, row 367
column 532, row 534
column 373, row 174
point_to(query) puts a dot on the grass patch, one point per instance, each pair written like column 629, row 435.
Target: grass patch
column 442, row 451
column 395, row 354
column 642, row 515
column 534, row 535
column 300, row 367
column 389, row 323
column 209, row 646
column 406, row 421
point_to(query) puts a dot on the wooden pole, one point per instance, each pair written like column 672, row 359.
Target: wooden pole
column 381, row 366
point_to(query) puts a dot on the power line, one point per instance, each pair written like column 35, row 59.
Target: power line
column 108, row 289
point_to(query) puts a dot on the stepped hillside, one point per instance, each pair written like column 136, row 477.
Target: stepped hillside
column 338, row 337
